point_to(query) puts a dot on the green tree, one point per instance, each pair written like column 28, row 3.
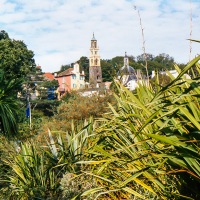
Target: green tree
column 15, row 58
column 50, row 84
column 63, row 68
column 108, row 70
column 166, row 62
column 84, row 66
column 141, row 58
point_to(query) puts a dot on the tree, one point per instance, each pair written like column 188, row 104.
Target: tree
column 141, row 58
column 84, row 66
column 165, row 61
column 16, row 63
column 108, row 70
column 63, row 68
column 8, row 105
column 47, row 89
column 3, row 35
column 15, row 58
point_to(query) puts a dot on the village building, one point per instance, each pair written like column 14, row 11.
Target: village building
column 70, row 79
column 127, row 75
column 174, row 73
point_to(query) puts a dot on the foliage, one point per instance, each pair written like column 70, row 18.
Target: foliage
column 30, row 177
column 77, row 108
column 161, row 79
column 50, row 84
column 145, row 148
column 84, row 66
column 70, row 152
column 64, row 67
column 148, row 148
column 72, row 185
column 25, row 129
column 38, row 171
column 108, row 70
column 47, row 107
column 16, row 60
column 8, row 105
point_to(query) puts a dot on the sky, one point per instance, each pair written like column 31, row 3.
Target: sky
column 59, row 31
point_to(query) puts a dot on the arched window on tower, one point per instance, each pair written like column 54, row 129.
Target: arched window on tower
column 96, row 62
column 95, row 44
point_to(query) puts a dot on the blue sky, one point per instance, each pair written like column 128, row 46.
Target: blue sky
column 59, row 31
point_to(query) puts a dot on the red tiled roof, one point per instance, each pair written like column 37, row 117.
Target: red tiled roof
column 49, row 76
column 67, row 72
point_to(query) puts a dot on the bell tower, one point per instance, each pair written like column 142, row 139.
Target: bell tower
column 95, row 74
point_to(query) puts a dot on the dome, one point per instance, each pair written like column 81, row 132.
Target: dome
column 127, row 70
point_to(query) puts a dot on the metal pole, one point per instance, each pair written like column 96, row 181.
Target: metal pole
column 30, row 113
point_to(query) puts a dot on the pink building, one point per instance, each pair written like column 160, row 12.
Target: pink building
column 70, row 79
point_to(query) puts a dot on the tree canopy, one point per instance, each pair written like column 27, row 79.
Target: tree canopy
column 16, row 60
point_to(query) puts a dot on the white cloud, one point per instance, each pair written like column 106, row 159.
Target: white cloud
column 59, row 31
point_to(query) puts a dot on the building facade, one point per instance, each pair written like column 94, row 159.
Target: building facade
column 127, row 75
column 95, row 73
column 71, row 79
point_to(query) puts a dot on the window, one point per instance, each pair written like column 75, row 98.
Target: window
column 73, row 76
column 74, row 85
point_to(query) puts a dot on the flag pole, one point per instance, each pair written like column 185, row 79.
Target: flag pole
column 30, row 113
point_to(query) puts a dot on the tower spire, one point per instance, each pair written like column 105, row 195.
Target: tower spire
column 126, row 61
column 93, row 38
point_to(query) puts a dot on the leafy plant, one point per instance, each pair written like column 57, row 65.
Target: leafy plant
column 148, row 148
column 8, row 105
column 30, row 177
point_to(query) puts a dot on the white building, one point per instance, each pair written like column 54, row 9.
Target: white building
column 174, row 73
column 127, row 75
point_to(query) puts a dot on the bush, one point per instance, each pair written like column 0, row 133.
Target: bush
column 77, row 108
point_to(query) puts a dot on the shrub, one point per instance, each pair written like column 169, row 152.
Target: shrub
column 77, row 108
